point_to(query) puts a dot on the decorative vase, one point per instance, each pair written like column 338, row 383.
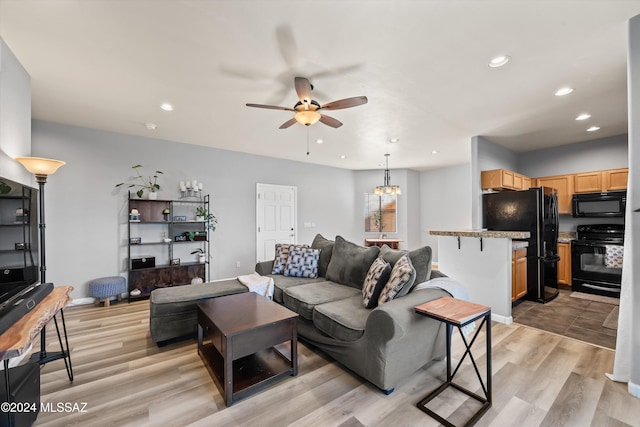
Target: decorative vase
column 202, row 258
column 153, row 195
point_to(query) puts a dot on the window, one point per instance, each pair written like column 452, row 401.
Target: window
column 380, row 213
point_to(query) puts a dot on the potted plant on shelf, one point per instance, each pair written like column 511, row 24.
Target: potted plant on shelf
column 142, row 182
column 202, row 256
column 203, row 215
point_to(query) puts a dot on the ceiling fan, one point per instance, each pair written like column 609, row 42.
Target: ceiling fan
column 307, row 110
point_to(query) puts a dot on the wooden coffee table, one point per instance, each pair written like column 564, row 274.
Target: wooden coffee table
column 236, row 339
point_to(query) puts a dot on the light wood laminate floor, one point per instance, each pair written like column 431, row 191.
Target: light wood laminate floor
column 539, row 379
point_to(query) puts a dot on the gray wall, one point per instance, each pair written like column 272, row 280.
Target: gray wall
column 486, row 155
column 15, row 116
column 445, row 202
column 597, row 154
column 87, row 217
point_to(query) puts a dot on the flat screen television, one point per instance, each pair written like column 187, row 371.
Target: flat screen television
column 19, row 253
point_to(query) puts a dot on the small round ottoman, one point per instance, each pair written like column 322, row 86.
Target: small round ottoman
column 107, row 287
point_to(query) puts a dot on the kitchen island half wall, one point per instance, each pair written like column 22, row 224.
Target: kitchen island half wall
column 481, row 261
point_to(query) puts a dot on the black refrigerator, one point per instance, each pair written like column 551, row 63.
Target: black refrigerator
column 536, row 211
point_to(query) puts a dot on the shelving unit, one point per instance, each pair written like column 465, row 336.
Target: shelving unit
column 18, row 238
column 174, row 265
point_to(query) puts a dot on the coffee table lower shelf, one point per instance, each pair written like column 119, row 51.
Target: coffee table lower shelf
column 251, row 373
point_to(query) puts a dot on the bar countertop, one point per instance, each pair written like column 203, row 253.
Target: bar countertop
column 492, row 234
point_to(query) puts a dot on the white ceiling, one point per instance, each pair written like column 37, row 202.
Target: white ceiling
column 109, row 64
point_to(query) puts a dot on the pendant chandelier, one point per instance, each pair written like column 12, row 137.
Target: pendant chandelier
column 387, row 188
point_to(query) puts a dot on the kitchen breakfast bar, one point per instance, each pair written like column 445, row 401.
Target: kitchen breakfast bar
column 480, row 260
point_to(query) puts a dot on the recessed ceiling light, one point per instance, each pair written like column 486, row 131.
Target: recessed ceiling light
column 343, row 157
column 593, row 129
column 564, row 91
column 394, row 140
column 319, row 141
column 434, row 152
column 166, row 106
column 499, row 61
column 151, row 126
column 583, row 116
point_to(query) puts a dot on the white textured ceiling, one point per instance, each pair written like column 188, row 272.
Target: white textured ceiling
column 108, row 65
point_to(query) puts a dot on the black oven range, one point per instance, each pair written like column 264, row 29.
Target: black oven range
column 596, row 259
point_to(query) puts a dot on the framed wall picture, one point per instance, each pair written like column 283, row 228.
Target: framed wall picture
column 380, row 213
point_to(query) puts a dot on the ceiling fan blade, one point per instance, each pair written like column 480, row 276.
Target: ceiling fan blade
column 345, row 103
column 335, row 71
column 271, row 107
column 330, row 121
column 287, row 123
column 303, row 89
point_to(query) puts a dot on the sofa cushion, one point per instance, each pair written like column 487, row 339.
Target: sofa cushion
column 302, row 299
column 284, row 282
column 280, row 261
column 377, row 277
column 402, row 278
column 350, row 263
column 302, row 262
column 326, row 249
column 344, row 320
column 420, row 259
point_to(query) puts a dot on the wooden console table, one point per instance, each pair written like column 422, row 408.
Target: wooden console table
column 392, row 243
column 17, row 339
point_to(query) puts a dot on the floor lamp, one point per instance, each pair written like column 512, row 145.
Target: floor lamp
column 41, row 168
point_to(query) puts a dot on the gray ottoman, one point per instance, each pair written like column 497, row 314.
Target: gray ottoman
column 173, row 310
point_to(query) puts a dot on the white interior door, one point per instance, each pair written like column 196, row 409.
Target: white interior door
column 276, row 213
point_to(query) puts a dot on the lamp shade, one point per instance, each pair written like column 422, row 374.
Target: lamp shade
column 307, row 117
column 40, row 165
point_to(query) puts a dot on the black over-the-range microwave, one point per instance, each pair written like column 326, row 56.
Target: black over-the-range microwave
column 608, row 204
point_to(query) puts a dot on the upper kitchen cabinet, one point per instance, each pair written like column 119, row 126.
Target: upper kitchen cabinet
column 615, row 179
column 502, row 179
column 564, row 185
column 599, row 181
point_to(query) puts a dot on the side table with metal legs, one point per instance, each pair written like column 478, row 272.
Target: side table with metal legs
column 459, row 313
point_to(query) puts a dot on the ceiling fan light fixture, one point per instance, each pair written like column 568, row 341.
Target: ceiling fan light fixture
column 307, row 117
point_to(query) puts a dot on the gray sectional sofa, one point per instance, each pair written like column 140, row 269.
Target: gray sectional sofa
column 384, row 344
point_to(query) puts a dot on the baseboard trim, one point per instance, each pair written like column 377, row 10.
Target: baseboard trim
column 634, row 389
column 81, row 301
column 507, row 320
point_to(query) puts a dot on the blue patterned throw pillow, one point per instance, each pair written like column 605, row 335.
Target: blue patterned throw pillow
column 302, row 262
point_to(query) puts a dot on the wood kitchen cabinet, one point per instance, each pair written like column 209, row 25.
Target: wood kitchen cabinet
column 600, row 181
column 564, row 185
column 564, row 265
column 518, row 273
column 587, row 182
column 615, row 179
column 502, row 179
